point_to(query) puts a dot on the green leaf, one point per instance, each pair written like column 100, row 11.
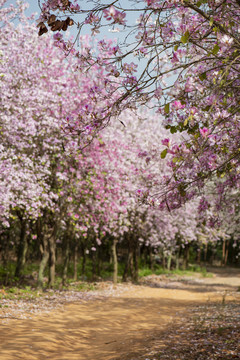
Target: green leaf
column 215, row 49
column 200, row 2
column 175, row 47
column 166, row 108
column 164, row 153
column 185, row 122
column 181, row 189
column 173, row 129
column 175, row 160
column 211, row 21
column 206, row 108
column 202, row 76
column 185, row 37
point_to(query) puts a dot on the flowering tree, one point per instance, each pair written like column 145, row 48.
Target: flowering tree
column 147, row 227
column 190, row 52
column 42, row 101
column 56, row 192
column 52, row 189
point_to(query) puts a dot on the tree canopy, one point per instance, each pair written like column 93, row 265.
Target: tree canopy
column 190, row 52
column 71, row 184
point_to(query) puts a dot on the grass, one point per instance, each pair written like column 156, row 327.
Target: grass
column 16, row 293
column 29, row 293
column 71, row 284
column 193, row 269
column 28, row 280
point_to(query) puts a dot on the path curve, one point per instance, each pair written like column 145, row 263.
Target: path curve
column 114, row 328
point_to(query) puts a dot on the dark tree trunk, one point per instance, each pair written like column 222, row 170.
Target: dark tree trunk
column 151, row 259
column 83, row 259
column 98, row 261
column 52, row 260
column 205, row 252
column 169, row 260
column 94, row 268
column 66, row 259
column 135, row 262
column 115, row 261
column 226, row 253
column 177, row 259
column 4, row 247
column 75, row 261
column 45, row 256
column 199, row 251
column 131, row 266
column 128, row 265
column 22, row 249
column 163, row 260
column 186, row 257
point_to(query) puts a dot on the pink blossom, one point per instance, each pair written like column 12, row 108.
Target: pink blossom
column 129, row 68
column 158, row 92
column 204, row 132
column 189, row 85
column 57, row 36
column 175, row 58
column 112, row 13
column 166, row 142
column 177, row 105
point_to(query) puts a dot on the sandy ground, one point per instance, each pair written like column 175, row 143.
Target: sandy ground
column 123, row 325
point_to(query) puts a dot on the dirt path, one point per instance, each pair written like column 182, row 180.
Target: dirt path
column 117, row 327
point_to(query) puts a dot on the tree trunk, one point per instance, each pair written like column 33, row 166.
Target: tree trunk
column 22, row 249
column 94, row 266
column 128, row 265
column 226, row 252
column 66, row 260
column 205, row 252
column 131, row 266
column 115, row 261
column 126, row 268
column 5, row 248
column 151, row 258
column 135, row 262
column 177, row 259
column 75, row 262
column 163, row 260
column 52, row 260
column 83, row 260
column 199, row 250
column 98, row 261
column 223, row 252
column 169, row 260
column 44, row 260
column 186, row 257
column 111, row 258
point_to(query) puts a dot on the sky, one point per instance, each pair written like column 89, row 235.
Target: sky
column 105, row 32
column 34, row 8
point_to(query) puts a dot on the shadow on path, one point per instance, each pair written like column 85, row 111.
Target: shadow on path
column 114, row 328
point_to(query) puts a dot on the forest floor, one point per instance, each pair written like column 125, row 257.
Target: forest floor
column 164, row 317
